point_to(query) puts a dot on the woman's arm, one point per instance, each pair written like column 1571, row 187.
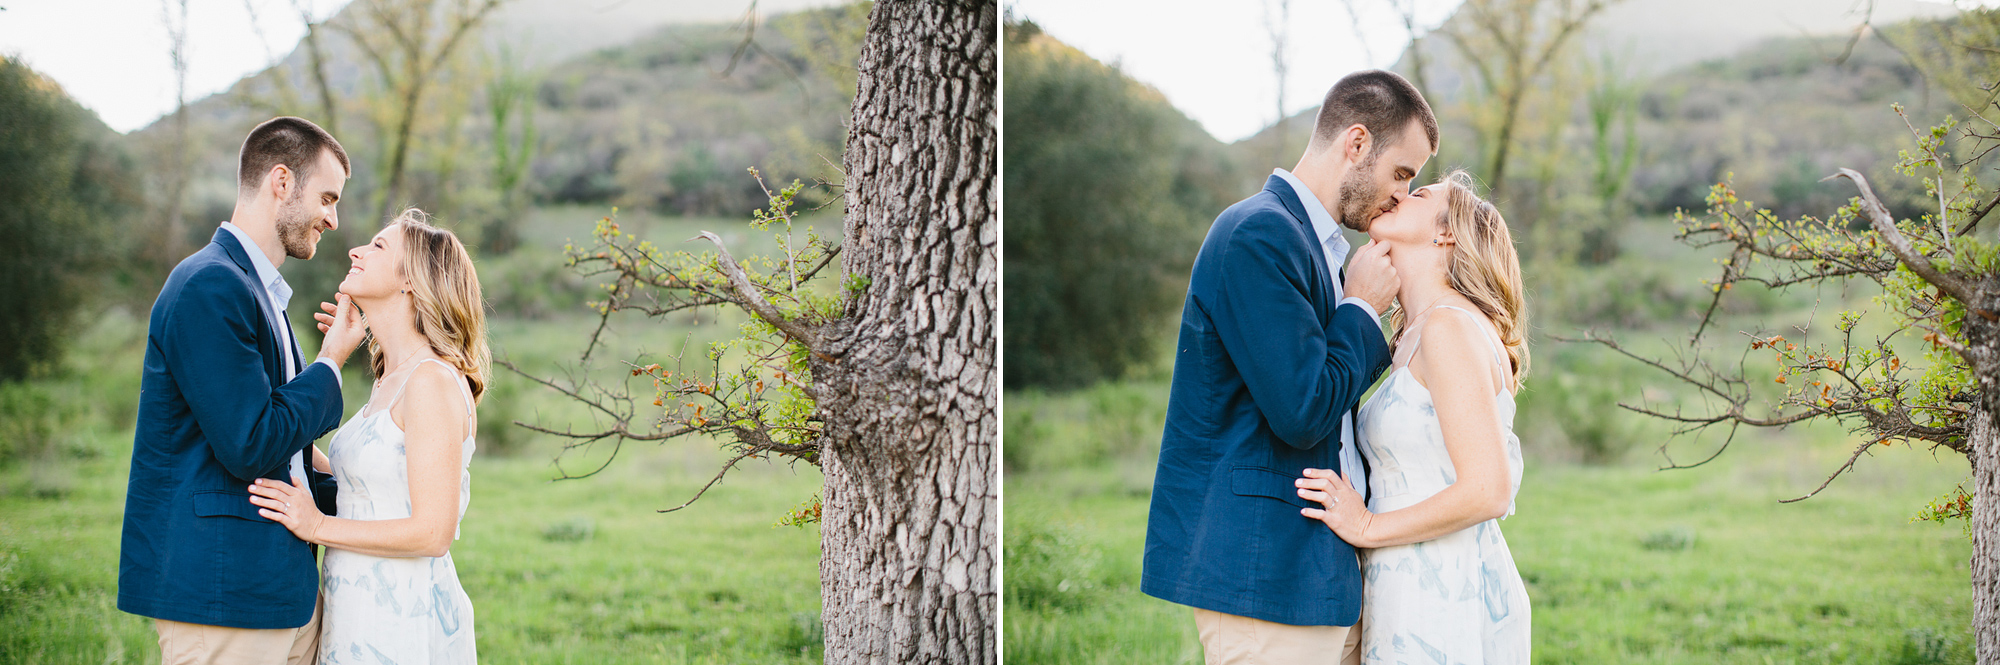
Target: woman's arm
column 320, row 462
column 1454, row 349
column 434, row 417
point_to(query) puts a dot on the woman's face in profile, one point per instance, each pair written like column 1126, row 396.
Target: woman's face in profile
column 1414, row 221
column 375, row 270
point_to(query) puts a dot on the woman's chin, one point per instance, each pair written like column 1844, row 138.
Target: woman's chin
column 352, row 287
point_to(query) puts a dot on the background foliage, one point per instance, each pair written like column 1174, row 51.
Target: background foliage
column 1106, row 199
column 520, row 156
column 68, row 186
column 1624, row 563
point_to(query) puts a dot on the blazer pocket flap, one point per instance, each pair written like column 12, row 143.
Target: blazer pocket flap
column 1254, row 481
column 224, row 503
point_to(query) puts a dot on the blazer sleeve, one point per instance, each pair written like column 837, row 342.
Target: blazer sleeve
column 1302, row 374
column 211, row 352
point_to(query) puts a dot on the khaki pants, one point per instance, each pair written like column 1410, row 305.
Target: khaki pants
column 196, row 644
column 1227, row 639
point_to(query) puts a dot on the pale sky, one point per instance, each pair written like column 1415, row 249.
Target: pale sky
column 1213, row 59
column 113, row 55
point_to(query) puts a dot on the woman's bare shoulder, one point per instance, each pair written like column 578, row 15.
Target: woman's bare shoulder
column 433, row 397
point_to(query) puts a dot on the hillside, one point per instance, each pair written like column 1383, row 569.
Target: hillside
column 1750, row 96
column 662, row 120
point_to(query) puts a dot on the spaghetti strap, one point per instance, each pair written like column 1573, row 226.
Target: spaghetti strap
column 462, row 389
column 1492, row 338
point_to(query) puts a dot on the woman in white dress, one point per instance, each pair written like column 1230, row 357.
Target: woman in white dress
column 389, row 591
column 1439, row 583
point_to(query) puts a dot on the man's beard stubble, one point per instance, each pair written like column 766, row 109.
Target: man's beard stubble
column 295, row 228
column 1358, row 195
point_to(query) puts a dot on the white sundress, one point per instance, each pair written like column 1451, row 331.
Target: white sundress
column 382, row 610
column 1450, row 601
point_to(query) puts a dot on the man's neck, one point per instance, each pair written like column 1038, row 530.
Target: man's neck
column 262, row 231
column 1323, row 180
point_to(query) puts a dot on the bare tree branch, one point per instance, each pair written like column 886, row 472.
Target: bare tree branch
column 1878, row 215
column 755, row 302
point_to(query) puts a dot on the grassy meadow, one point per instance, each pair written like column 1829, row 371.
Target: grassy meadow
column 575, row 571
column 1624, row 563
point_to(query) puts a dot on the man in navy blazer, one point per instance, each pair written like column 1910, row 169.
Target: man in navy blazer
column 225, row 399
column 1274, row 353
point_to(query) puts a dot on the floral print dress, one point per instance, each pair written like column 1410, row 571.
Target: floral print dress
column 1454, row 600
column 383, row 610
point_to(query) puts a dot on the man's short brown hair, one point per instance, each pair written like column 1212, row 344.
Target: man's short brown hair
column 1381, row 101
column 294, row 142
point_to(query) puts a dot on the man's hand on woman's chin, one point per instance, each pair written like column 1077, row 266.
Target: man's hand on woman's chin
column 1371, row 277
column 343, row 327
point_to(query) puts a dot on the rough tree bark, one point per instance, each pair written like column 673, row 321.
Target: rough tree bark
column 901, row 370
column 908, row 383
column 1983, row 437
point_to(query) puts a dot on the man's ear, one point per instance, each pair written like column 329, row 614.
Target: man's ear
column 1355, row 142
column 279, row 181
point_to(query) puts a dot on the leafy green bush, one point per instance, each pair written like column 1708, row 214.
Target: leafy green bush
column 572, row 530
column 1050, row 566
column 1924, row 647
column 1108, row 189
column 1570, row 406
column 499, row 407
column 1108, row 421
column 66, row 187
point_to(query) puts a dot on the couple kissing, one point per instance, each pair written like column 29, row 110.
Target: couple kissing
column 1301, row 525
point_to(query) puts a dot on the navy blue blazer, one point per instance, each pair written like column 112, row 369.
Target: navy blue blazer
column 1266, row 365
column 213, row 415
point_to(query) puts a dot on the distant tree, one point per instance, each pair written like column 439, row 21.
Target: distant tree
column 409, row 44
column 1611, row 103
column 175, row 162
column 1104, row 201
column 887, row 381
column 66, row 192
column 1413, row 53
column 1509, row 45
column 329, row 111
column 1957, row 53
column 1938, row 277
column 510, row 103
column 1278, row 24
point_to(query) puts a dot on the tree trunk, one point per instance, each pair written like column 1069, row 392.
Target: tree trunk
column 908, row 387
column 392, row 189
column 1983, row 437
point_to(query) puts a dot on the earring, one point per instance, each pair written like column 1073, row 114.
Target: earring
column 1437, row 242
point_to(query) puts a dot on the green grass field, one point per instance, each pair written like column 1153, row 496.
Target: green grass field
column 576, row 571
column 1624, row 564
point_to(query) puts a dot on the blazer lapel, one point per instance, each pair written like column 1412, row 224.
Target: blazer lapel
column 1290, row 199
column 238, row 253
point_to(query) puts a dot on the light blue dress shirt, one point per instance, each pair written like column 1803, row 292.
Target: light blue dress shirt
column 280, row 295
column 1336, row 247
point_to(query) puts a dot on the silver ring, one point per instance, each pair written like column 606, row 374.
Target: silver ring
column 288, row 505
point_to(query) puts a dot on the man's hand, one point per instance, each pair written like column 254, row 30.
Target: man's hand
column 343, row 327
column 1371, row 277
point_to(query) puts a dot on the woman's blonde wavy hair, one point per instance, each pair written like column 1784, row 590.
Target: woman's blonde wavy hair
column 444, row 290
column 1483, row 267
